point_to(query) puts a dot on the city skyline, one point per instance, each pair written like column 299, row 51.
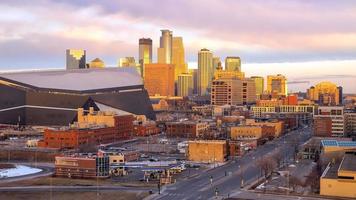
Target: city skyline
column 268, row 37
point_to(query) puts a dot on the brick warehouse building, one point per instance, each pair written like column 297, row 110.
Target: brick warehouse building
column 93, row 128
column 82, row 166
column 52, row 97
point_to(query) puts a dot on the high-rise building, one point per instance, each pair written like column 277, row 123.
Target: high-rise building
column 127, row 62
column 165, row 47
column 96, row 63
column 248, row 91
column 178, row 57
column 233, row 91
column 185, row 85
column 75, row 59
column 194, row 73
column 277, row 85
column 260, row 84
column 159, row 79
column 205, row 71
column 350, row 123
column 335, row 114
column 325, row 94
column 216, row 64
column 220, row 73
column 226, row 92
column 130, row 62
column 233, row 64
column 144, row 52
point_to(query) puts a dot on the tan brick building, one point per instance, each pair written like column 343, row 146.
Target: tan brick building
column 188, row 129
column 207, row 151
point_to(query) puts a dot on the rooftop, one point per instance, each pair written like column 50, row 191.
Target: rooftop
column 349, row 162
column 335, row 143
column 77, row 80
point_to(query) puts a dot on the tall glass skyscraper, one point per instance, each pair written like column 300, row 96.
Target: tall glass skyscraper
column 205, row 71
column 233, row 64
column 144, row 53
column 165, row 47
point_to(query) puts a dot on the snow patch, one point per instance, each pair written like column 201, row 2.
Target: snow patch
column 19, row 170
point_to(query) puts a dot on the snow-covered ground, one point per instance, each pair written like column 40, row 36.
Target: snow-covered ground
column 19, row 170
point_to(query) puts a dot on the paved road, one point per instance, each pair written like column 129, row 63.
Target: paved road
column 70, row 188
column 199, row 187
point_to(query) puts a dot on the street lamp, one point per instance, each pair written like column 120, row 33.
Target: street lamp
column 242, row 177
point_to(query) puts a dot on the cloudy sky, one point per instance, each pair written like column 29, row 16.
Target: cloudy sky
column 308, row 41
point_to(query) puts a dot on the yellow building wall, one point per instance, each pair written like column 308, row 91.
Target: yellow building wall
column 338, row 188
column 98, row 118
column 207, row 152
column 116, row 159
column 329, row 149
column 278, row 126
column 246, row 131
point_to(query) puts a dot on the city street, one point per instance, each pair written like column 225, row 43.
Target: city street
column 227, row 179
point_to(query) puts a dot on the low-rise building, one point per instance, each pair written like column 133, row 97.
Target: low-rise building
column 277, row 125
column 259, row 133
column 329, row 146
column 92, row 128
column 339, row 180
column 82, row 166
column 187, row 129
column 207, row 151
column 312, row 148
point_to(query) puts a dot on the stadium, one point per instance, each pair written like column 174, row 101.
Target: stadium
column 52, row 97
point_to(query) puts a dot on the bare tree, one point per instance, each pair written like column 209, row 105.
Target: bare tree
column 266, row 165
column 278, row 157
column 294, row 182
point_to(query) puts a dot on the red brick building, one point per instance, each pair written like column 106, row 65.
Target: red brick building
column 186, row 129
column 75, row 137
column 322, row 126
column 146, row 129
column 82, row 166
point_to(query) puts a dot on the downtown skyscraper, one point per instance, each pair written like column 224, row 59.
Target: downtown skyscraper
column 144, row 53
column 205, row 71
column 75, row 59
column 165, row 47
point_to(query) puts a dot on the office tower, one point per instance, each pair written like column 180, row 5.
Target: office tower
column 75, row 59
column 159, row 79
column 205, row 71
column 277, row 85
column 165, row 47
column 220, row 73
column 226, row 92
column 260, row 84
column 216, row 63
column 194, row 73
column 325, row 94
column 144, row 52
column 248, row 91
column 233, row 91
column 233, row 64
column 185, row 85
column 332, row 117
column 96, row 63
column 178, row 57
column 341, row 98
column 127, row 62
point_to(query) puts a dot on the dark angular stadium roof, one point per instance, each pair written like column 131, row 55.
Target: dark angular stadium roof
column 78, row 79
